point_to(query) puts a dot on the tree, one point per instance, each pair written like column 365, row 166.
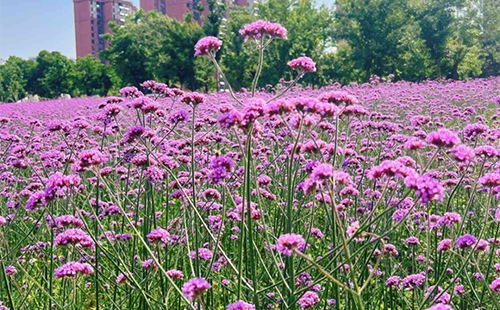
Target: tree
column 91, row 77
column 308, row 28
column 128, row 51
column 215, row 17
column 15, row 78
column 436, row 18
column 154, row 46
column 52, row 75
column 373, row 29
column 489, row 21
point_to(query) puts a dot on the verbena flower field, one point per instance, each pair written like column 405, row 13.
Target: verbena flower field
column 375, row 196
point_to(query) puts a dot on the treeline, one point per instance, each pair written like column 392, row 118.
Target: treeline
column 351, row 41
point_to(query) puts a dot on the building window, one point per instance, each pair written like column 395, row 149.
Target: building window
column 92, row 22
column 92, row 41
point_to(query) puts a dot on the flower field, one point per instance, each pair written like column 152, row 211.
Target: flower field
column 375, row 196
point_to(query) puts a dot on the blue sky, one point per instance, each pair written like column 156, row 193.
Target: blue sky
column 29, row 26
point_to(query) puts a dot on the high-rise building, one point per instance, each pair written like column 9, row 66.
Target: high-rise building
column 178, row 8
column 91, row 22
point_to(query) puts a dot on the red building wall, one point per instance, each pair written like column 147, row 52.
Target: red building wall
column 92, row 18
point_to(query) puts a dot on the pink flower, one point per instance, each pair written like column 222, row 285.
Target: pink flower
column 175, row 274
column 159, row 234
column 71, row 269
column 240, row 305
column 260, row 28
column 308, row 300
column 194, row 288
column 303, row 64
column 193, row 98
column 207, row 45
column 288, row 242
column 443, row 138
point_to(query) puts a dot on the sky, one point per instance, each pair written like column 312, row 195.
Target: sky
column 29, row 26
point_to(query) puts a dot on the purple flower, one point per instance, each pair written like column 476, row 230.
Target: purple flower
column 288, row 242
column 449, row 219
column 414, row 280
column 426, row 187
column 465, row 241
column 440, row 307
column 495, row 285
column 444, row 245
column 338, row 97
column 10, row 270
column 490, row 179
column 303, row 64
column 393, row 281
column 75, row 236
column 203, row 253
column 194, row 288
column 159, row 235
column 462, row 153
column 207, row 45
column 308, row 300
column 193, row 99
column 260, row 28
column 72, row 269
column 178, row 116
column 240, row 305
column 175, row 274
column 443, row 138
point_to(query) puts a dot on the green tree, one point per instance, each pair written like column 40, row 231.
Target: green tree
column 215, row 17
column 436, row 18
column 373, row 29
column 15, row 78
column 129, row 53
column 489, row 20
column 154, row 46
column 309, row 28
column 52, row 75
column 91, row 77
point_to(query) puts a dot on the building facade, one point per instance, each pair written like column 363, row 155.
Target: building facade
column 178, row 8
column 91, row 22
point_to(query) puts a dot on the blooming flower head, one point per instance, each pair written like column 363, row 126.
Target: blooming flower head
column 495, row 285
column 159, row 235
column 443, row 138
column 175, row 274
column 10, row 270
column 465, row 241
column 75, row 236
column 240, row 305
column 72, row 269
column 338, row 97
column 260, row 28
column 131, row 92
column 426, row 187
column 413, row 281
column 288, row 242
column 122, row 277
column 194, row 288
column 303, row 64
column 193, row 99
column 490, row 179
column 497, row 100
column 440, row 307
column 444, row 245
column 207, row 45
column 462, row 153
column 308, row 300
